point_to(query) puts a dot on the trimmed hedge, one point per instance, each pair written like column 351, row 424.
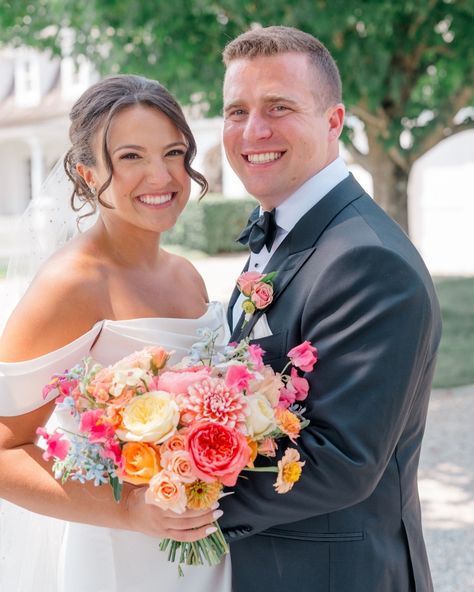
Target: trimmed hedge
column 211, row 225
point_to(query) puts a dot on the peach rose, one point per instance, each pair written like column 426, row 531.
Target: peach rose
column 176, row 442
column 179, row 463
column 167, row 492
column 141, row 462
column 262, row 295
column 268, row 384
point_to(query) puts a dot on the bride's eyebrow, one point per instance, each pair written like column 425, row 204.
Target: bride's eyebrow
column 128, row 147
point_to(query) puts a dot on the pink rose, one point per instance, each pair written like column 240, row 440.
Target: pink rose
column 262, row 295
column 177, row 383
column 304, row 356
column 247, row 280
column 217, row 452
column 238, row 377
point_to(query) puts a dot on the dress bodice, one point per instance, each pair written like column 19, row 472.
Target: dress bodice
column 21, row 383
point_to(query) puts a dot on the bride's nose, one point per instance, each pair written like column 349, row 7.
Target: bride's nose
column 158, row 173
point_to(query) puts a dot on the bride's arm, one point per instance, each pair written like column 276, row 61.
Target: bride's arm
column 50, row 316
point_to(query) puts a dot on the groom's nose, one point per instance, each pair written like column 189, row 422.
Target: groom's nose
column 257, row 127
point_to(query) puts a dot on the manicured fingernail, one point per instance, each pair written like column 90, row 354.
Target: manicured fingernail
column 211, row 530
column 217, row 514
column 215, row 506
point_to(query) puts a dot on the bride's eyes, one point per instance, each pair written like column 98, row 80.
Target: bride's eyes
column 129, row 156
column 176, row 152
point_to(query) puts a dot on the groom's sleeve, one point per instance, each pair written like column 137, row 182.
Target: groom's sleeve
column 371, row 318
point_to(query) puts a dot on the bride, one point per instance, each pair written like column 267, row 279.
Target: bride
column 108, row 292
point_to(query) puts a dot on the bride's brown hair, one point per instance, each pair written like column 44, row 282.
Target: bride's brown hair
column 96, row 108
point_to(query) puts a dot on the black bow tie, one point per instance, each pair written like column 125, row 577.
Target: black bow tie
column 259, row 231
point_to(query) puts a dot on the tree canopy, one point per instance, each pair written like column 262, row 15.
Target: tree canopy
column 407, row 67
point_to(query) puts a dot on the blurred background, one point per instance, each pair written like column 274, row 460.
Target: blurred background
column 408, row 83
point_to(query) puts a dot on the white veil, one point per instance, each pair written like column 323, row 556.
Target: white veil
column 46, row 225
column 30, row 543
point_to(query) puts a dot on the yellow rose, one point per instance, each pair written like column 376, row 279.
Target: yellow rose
column 261, row 419
column 152, row 417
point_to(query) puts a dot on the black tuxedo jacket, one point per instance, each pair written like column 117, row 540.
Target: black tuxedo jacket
column 350, row 282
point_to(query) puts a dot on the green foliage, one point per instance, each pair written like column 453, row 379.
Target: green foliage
column 211, row 225
column 455, row 366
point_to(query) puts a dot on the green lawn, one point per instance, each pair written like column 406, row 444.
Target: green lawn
column 456, row 355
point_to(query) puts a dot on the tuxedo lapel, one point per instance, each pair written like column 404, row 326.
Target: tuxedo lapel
column 301, row 242
column 233, row 298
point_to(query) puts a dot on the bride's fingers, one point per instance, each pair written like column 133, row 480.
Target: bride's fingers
column 189, row 536
column 185, row 522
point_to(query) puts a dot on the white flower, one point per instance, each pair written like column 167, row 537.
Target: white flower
column 261, row 420
column 125, row 376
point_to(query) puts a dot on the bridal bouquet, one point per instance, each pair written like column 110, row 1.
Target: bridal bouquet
column 184, row 431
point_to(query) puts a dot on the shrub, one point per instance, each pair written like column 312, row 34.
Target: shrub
column 211, row 225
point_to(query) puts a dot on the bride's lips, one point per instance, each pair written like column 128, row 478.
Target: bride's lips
column 156, row 200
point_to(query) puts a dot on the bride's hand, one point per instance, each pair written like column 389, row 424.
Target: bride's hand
column 149, row 519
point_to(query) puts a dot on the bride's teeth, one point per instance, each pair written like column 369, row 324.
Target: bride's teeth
column 265, row 157
column 156, row 200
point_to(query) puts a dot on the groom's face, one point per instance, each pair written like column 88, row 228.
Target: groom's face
column 276, row 133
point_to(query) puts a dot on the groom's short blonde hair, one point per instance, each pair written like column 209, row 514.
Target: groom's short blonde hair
column 275, row 40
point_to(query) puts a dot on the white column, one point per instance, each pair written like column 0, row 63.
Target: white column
column 37, row 165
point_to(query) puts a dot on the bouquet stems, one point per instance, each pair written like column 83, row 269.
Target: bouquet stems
column 209, row 550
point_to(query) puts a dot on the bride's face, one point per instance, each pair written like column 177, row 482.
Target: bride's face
column 150, row 186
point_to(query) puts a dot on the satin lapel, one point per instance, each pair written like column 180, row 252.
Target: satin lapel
column 233, row 299
column 300, row 243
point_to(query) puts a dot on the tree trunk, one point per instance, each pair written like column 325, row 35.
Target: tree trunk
column 391, row 189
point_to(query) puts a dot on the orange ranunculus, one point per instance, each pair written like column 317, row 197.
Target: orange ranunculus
column 253, row 450
column 288, row 423
column 141, row 461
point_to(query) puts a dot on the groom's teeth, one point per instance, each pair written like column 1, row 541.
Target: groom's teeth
column 155, row 200
column 265, row 157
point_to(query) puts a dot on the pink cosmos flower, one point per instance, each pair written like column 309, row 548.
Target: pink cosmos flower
column 262, row 295
column 287, row 397
column 238, row 377
column 304, row 356
column 256, row 356
column 96, row 425
column 299, row 384
column 247, row 280
column 212, row 400
column 57, row 445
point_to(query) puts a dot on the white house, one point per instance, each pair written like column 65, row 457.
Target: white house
column 37, row 92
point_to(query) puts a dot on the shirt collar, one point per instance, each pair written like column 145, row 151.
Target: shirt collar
column 313, row 190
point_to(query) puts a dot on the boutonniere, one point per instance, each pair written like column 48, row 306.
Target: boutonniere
column 258, row 289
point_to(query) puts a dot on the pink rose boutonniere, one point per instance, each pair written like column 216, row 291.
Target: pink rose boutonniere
column 258, row 289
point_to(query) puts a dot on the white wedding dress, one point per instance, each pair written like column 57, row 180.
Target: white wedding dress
column 46, row 555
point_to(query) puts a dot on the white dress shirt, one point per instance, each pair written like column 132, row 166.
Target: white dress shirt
column 291, row 211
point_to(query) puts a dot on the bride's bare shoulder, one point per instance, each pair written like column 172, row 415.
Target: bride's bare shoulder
column 66, row 297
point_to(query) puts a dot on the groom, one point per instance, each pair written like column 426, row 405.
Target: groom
column 350, row 282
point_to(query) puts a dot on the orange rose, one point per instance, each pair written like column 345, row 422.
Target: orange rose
column 253, row 451
column 141, row 461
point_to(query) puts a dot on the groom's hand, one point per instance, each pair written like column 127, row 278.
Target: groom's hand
column 149, row 519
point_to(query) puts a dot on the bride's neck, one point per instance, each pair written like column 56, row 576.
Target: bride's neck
column 127, row 246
